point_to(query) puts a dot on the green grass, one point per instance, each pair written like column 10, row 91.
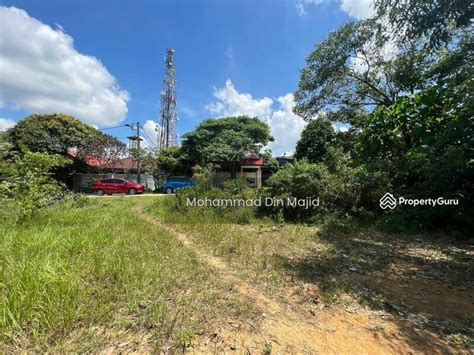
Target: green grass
column 68, row 272
column 87, row 278
column 259, row 250
column 329, row 255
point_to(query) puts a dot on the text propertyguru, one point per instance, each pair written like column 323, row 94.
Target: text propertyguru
column 440, row 201
column 306, row 203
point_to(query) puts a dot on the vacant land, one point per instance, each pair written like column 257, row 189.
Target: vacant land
column 125, row 274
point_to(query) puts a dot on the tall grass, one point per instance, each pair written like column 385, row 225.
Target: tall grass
column 66, row 271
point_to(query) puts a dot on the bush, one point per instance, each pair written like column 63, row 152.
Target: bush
column 29, row 184
column 233, row 190
column 336, row 192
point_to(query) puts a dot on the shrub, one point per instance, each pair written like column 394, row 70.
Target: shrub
column 233, row 190
column 30, row 185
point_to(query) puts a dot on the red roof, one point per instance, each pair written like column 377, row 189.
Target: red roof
column 252, row 159
column 125, row 163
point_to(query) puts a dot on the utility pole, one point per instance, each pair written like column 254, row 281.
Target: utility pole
column 136, row 127
column 139, row 157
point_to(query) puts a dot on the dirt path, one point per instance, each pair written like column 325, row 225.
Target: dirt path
column 286, row 329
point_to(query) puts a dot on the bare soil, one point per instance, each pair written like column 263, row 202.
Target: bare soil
column 298, row 321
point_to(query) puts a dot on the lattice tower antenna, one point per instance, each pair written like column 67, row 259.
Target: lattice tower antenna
column 167, row 135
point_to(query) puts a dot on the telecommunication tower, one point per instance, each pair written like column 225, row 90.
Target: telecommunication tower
column 166, row 132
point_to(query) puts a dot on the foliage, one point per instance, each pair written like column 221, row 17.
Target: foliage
column 424, row 144
column 410, row 111
column 315, row 139
column 234, row 189
column 227, row 139
column 338, row 191
column 350, row 71
column 202, row 175
column 30, row 185
column 437, row 20
column 173, row 161
column 50, row 133
column 6, row 154
column 108, row 150
column 269, row 160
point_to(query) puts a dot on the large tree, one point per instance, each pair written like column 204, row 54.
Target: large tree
column 436, row 20
column 355, row 69
column 49, row 133
column 225, row 140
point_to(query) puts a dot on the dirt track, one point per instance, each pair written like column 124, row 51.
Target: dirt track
column 287, row 328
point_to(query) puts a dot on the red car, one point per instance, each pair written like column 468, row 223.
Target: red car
column 116, row 186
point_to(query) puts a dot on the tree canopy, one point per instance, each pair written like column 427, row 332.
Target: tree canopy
column 355, row 69
column 106, row 148
column 49, row 133
column 403, row 81
column 315, row 139
column 436, row 20
column 225, row 139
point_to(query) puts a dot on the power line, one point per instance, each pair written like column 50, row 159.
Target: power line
column 149, row 139
column 103, row 129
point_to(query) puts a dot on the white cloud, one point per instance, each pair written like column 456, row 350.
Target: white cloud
column 150, row 137
column 41, row 71
column 285, row 126
column 300, row 9
column 6, row 123
column 360, row 9
column 301, row 5
column 230, row 103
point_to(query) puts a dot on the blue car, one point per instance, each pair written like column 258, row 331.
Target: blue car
column 176, row 182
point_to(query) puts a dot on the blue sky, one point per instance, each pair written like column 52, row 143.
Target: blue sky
column 231, row 57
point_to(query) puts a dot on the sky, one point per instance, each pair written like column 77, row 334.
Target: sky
column 102, row 61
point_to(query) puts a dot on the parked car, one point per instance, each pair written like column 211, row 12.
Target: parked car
column 115, row 186
column 173, row 183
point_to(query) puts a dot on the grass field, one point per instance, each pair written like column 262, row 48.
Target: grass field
column 125, row 274
column 85, row 278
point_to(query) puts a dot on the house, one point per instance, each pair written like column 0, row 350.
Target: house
column 89, row 168
column 251, row 169
column 94, row 164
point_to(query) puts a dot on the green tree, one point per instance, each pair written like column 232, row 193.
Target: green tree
column 105, row 148
column 51, row 133
column 269, row 160
column 351, row 72
column 6, row 155
column 226, row 139
column 172, row 160
column 437, row 20
column 318, row 135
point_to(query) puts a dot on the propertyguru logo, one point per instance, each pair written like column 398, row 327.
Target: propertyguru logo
column 388, row 201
